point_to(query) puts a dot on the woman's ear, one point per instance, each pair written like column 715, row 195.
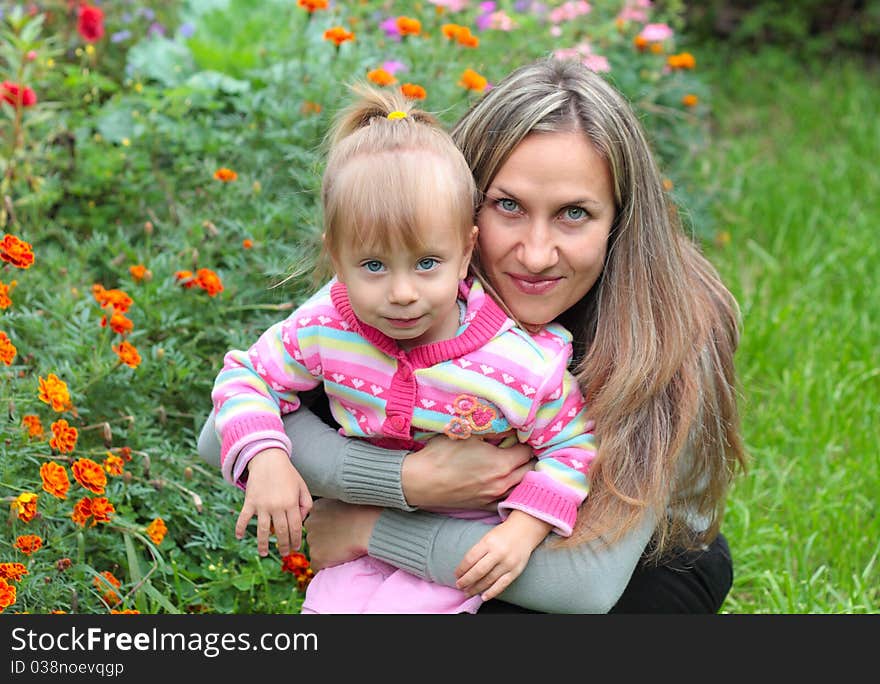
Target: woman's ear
column 333, row 262
column 469, row 246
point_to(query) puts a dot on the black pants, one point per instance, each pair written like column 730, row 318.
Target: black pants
column 693, row 582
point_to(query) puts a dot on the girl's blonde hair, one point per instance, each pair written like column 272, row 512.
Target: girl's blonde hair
column 385, row 177
column 654, row 337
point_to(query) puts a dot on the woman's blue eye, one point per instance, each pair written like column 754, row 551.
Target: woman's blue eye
column 427, row 263
column 508, row 205
column 575, row 213
column 373, row 266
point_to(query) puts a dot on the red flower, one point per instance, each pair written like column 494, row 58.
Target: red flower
column 91, row 23
column 17, row 95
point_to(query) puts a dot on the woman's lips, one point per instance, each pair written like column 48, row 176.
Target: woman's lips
column 533, row 285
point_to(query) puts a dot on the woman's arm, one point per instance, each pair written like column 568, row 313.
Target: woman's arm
column 587, row 578
column 333, row 466
column 444, row 474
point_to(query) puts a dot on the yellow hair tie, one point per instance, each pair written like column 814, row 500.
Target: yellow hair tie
column 396, row 115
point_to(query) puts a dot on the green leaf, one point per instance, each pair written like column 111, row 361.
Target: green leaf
column 134, row 571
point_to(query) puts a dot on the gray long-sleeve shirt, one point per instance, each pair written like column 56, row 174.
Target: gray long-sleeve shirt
column 588, row 578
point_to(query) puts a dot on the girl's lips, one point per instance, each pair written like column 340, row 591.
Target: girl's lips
column 533, row 286
column 404, row 322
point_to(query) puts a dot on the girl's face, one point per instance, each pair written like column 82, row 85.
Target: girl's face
column 409, row 295
column 544, row 225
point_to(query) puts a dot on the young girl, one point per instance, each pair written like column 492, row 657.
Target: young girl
column 407, row 347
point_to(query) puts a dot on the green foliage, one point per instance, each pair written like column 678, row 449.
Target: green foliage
column 113, row 168
column 798, row 203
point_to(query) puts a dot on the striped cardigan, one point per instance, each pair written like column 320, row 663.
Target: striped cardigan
column 490, row 378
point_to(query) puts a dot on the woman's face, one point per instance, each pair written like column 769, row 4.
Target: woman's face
column 545, row 223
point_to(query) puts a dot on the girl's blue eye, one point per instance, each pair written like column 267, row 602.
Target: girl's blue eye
column 427, row 263
column 373, row 266
column 508, row 205
column 575, row 213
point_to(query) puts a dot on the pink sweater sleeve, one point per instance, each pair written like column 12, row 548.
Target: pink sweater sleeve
column 255, row 388
column 563, row 441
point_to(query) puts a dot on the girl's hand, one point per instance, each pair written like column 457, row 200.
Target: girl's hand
column 501, row 555
column 279, row 497
column 339, row 532
column 469, row 473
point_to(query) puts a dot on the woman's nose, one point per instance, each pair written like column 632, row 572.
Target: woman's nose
column 537, row 251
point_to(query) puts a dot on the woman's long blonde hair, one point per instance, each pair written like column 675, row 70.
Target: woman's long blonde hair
column 654, row 337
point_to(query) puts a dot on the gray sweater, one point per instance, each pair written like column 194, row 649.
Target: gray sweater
column 588, row 578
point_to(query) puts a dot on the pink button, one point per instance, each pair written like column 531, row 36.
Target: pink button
column 397, row 422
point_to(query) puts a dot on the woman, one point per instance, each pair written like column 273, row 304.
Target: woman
column 575, row 227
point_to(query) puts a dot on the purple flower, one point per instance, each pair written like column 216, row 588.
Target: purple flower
column 393, row 66
column 146, row 13
column 389, row 26
column 186, row 30
column 156, row 29
column 120, row 36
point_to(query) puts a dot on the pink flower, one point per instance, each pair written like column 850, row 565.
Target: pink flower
column 656, row 33
column 389, row 26
column 392, row 66
column 569, row 10
column 451, row 5
column 596, row 63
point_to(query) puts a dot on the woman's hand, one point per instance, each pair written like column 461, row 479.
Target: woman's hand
column 338, row 532
column 469, row 473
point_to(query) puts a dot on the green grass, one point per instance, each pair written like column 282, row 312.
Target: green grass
column 795, row 166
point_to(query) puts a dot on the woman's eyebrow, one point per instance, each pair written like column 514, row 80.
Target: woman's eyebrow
column 584, row 200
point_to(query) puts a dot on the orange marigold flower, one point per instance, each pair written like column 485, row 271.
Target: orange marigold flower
column 63, row 437
column 460, row 34
column 185, row 278
column 225, row 175
column 117, row 299
column 381, row 77
column 55, row 480
column 106, row 583
column 139, row 272
column 33, row 424
column 63, row 564
column 309, row 107
column 29, row 543
column 7, row 594
column 113, row 464
column 690, row 100
column 127, row 611
column 413, row 91
column 25, row 505
column 294, row 563
column 157, row 530
column 640, row 42
column 303, row 579
column 58, row 612
column 338, row 35
column 407, row 26
column 53, row 391
column 247, row 243
column 5, row 301
column 16, row 252
column 128, row 354
column 471, row 80
column 90, row 475
column 118, row 324
column 7, row 349
column 451, row 31
column 82, row 511
column 684, row 60
column 312, row 5
column 209, row 281
column 12, row 571
column 102, row 509
column 125, row 453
